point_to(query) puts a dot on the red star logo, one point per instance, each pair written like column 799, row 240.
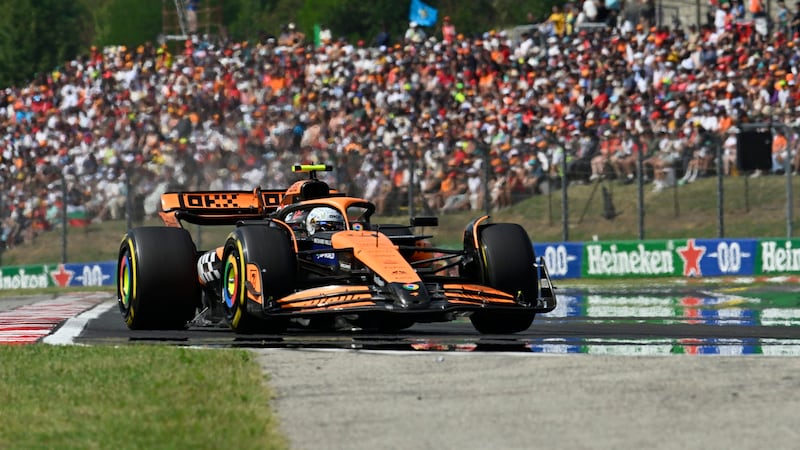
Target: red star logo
column 691, row 256
column 62, row 277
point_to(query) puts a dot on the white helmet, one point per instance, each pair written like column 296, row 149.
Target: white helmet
column 324, row 219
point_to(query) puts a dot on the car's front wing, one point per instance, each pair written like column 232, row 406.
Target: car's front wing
column 442, row 297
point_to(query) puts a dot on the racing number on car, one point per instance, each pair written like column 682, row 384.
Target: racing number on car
column 212, row 200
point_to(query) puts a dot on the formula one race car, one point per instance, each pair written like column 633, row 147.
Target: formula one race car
column 310, row 256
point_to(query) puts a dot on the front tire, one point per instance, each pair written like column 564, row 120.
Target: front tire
column 506, row 262
column 270, row 250
column 157, row 284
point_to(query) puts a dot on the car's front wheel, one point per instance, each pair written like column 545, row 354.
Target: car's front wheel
column 506, row 262
column 262, row 252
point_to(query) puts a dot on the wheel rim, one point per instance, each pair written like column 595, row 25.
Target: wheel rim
column 125, row 277
column 230, row 292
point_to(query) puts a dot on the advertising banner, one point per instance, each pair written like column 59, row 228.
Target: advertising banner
column 778, row 256
column 563, row 259
column 57, row 275
column 717, row 257
column 674, row 258
column 83, row 274
column 24, row 277
column 631, row 259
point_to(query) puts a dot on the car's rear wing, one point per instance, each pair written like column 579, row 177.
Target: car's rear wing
column 218, row 207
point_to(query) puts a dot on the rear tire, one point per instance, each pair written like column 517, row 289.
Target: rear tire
column 157, row 284
column 270, row 249
column 506, row 262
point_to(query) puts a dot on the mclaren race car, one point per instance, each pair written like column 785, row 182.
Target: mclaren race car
column 311, row 256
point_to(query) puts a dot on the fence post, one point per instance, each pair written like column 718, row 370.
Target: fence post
column 564, row 197
column 128, row 200
column 720, row 187
column 787, row 170
column 63, row 218
column 411, row 156
column 486, row 151
column 640, row 184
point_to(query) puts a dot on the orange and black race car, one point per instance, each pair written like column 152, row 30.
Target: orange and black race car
column 310, row 256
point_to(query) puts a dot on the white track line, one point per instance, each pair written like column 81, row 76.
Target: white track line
column 73, row 327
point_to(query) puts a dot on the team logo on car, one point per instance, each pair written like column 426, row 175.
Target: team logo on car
column 411, row 287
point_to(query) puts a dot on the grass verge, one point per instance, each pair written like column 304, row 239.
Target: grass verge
column 132, row 397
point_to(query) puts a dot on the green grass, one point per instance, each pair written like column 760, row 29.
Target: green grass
column 133, row 397
column 752, row 208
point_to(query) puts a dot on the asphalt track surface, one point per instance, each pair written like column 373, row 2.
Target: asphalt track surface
column 443, row 386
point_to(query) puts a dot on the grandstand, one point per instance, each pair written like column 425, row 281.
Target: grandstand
column 487, row 119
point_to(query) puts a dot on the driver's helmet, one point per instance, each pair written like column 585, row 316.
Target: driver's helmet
column 324, row 219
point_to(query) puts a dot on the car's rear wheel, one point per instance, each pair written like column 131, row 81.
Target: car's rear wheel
column 157, row 284
column 506, row 262
column 270, row 250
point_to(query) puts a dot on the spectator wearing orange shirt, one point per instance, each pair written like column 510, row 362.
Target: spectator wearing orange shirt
column 455, row 192
column 780, row 151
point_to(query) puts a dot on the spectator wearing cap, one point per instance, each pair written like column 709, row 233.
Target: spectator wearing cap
column 414, row 34
column 290, row 36
column 780, row 151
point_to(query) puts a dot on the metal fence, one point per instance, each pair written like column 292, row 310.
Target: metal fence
column 559, row 207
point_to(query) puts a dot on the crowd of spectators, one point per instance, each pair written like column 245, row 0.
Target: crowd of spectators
column 468, row 118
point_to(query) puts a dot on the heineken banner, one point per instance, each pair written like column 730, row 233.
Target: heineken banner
column 630, row 259
column 778, row 256
column 671, row 258
column 601, row 259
